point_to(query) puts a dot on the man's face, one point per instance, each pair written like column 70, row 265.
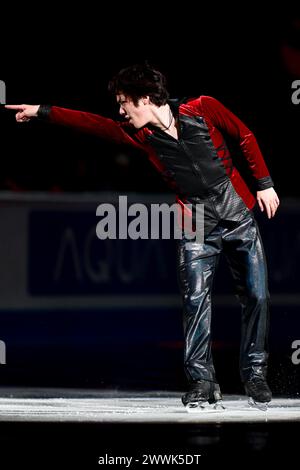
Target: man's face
column 138, row 115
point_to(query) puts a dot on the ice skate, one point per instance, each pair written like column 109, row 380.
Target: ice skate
column 202, row 394
column 258, row 392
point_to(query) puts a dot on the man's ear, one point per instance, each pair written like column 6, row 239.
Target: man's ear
column 145, row 99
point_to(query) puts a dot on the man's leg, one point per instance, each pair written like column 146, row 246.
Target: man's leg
column 196, row 268
column 245, row 254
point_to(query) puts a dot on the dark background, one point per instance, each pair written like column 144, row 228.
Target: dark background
column 246, row 59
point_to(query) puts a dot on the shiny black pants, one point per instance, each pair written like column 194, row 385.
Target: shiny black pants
column 241, row 244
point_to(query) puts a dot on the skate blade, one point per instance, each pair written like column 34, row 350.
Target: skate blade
column 219, row 406
column 201, row 407
column 258, row 405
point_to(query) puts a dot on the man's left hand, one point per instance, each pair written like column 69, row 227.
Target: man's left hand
column 268, row 200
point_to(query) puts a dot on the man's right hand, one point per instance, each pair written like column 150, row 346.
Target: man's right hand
column 25, row 112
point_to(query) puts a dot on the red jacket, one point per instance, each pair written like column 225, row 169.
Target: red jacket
column 218, row 119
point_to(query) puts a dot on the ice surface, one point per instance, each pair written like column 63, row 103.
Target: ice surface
column 117, row 406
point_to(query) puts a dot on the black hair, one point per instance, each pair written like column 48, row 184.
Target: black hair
column 140, row 80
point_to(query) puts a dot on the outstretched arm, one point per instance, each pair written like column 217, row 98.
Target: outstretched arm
column 95, row 124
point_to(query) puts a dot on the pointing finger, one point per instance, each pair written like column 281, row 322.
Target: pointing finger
column 15, row 106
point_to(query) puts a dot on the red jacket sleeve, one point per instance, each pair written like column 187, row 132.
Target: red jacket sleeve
column 224, row 120
column 95, row 124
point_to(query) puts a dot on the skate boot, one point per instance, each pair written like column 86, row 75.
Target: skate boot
column 258, row 392
column 202, row 393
